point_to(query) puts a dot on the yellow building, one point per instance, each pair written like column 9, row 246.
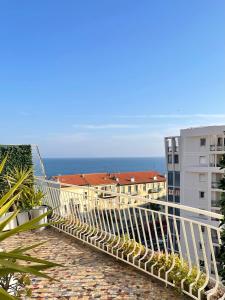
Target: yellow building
column 108, row 190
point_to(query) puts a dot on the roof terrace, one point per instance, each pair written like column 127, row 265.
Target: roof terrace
column 88, row 273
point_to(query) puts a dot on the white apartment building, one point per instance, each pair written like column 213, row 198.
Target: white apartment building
column 193, row 172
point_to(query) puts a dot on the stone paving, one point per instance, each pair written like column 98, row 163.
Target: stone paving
column 87, row 273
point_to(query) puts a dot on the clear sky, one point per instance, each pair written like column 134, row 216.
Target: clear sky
column 109, row 77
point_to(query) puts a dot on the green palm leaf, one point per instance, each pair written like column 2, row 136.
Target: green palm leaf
column 23, row 249
column 5, row 296
column 10, row 193
column 7, row 205
column 15, row 267
column 5, row 255
column 7, row 220
column 2, row 164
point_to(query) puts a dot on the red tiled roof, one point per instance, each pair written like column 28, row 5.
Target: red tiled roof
column 111, row 178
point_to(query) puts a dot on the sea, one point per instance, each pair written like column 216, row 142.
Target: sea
column 63, row 166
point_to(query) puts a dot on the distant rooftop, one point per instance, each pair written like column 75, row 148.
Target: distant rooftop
column 111, row 178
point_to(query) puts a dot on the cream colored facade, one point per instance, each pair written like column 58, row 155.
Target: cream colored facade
column 111, row 196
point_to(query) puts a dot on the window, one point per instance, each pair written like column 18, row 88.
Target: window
column 201, row 263
column 177, row 211
column 170, row 192
column 202, row 142
column 129, row 189
column 215, row 237
column 177, row 192
column 170, row 178
column 144, row 187
column 201, row 195
column 177, row 199
column 202, row 177
column 177, row 178
column 202, row 160
column 219, row 141
column 170, row 198
column 136, row 188
column 170, row 210
column 177, row 195
column 176, row 159
column 216, row 250
column 169, row 159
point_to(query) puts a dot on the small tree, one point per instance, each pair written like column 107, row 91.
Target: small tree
column 221, row 256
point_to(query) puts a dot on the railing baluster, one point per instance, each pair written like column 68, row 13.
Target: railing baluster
column 213, row 290
column 187, row 250
column 138, row 233
column 196, row 258
column 150, row 238
column 171, row 247
column 206, row 266
column 141, row 212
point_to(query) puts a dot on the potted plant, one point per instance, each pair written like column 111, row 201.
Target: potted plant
column 11, row 177
column 33, row 200
column 29, row 201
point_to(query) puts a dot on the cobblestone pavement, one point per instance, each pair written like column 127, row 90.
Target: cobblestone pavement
column 88, row 274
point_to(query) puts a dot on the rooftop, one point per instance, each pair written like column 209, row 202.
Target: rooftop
column 111, row 178
column 88, row 273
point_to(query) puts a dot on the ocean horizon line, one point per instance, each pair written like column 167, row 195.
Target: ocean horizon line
column 100, row 157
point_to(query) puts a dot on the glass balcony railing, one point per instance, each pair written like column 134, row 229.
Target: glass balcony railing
column 171, row 149
column 217, row 148
column 215, row 185
column 215, row 203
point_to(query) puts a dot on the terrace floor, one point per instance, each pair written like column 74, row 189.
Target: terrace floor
column 88, row 273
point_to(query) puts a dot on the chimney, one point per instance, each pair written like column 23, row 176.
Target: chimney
column 155, row 178
column 132, row 179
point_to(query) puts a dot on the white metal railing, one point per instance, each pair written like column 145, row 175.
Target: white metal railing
column 174, row 243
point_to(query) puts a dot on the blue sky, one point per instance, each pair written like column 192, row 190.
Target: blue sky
column 109, row 78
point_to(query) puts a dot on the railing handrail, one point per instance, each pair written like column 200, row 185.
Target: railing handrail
column 159, row 202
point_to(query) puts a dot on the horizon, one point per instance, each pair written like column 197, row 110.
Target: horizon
column 107, row 157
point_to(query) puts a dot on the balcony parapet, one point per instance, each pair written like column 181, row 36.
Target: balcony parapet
column 217, row 148
column 216, row 185
column 215, row 203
